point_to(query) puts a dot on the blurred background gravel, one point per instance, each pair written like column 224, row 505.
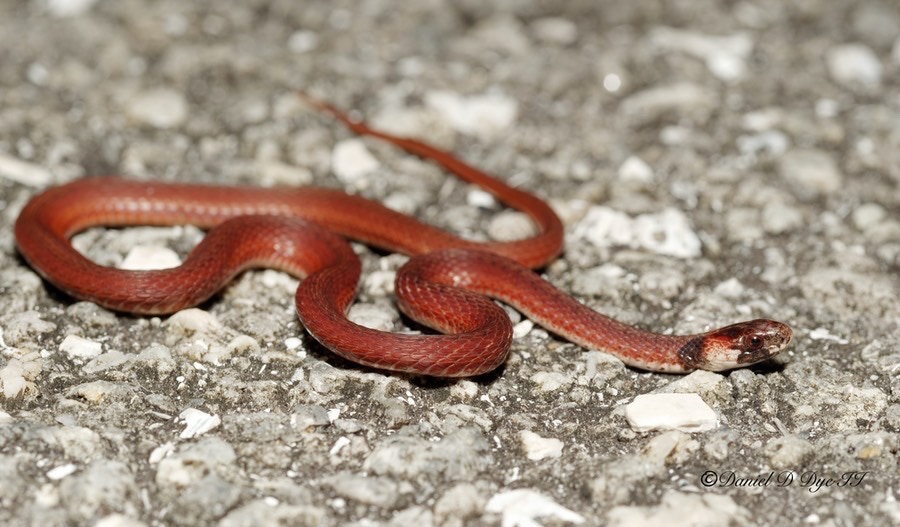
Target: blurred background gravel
column 713, row 160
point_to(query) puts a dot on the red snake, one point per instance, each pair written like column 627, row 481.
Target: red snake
column 300, row 230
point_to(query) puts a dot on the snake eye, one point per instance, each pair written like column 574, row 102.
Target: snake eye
column 756, row 342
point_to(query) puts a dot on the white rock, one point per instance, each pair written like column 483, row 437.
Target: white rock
column 372, row 316
column 522, row 328
column 538, row 448
column 684, row 98
column 67, row 8
column 813, row 171
column 58, row 473
column 660, row 447
column 681, row 509
column 13, row 379
column 612, row 82
column 105, row 361
column 853, row 64
column 161, row 452
column 160, row 108
column 667, row 411
column 197, row 423
column 556, row 30
column 827, row 108
column 636, row 170
column 341, row 443
column 303, row 41
column 605, row 227
column 198, row 459
column 380, row 283
column 667, row 232
column 825, row 334
column 697, row 382
column 762, row 120
column 460, row 501
column 878, row 23
column 502, row 32
column 370, row 490
column 779, row 217
column 482, row 199
column 191, row 321
column 603, row 279
column 78, row 347
column 868, row 215
column 23, row 172
column 772, row 142
column 731, row 288
column 351, row 161
column 150, row 257
column 549, row 381
column 521, row 508
column 725, row 56
column 273, row 172
column 243, row 344
column 97, row 391
column 510, row 225
column 483, row 115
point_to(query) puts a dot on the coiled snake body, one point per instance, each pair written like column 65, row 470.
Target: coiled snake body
column 300, row 231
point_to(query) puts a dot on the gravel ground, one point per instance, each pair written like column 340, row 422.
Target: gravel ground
column 713, row 160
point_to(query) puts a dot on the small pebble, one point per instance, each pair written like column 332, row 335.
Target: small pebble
column 868, row 215
column 555, row 30
column 813, row 171
column 525, row 506
column 351, row 161
column 635, row 169
column 538, row 448
column 667, row 232
column 24, row 172
column 483, row 116
column 79, row 347
column 372, row 316
column 147, row 258
column 159, row 108
column 854, row 64
column 725, row 56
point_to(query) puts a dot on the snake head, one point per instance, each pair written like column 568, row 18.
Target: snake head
column 737, row 345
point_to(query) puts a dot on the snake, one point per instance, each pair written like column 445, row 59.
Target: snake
column 450, row 284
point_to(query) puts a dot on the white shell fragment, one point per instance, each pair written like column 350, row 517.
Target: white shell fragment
column 198, row 422
column 670, row 411
column 58, row 473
